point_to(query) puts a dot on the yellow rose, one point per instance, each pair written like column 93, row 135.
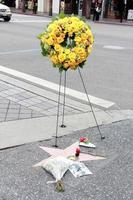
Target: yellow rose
column 73, row 66
column 50, row 41
column 67, row 51
column 73, row 62
column 60, row 39
column 66, row 65
column 54, row 59
column 89, row 49
column 72, row 56
column 58, row 48
column 77, row 39
column 62, row 57
column 52, row 34
column 91, row 39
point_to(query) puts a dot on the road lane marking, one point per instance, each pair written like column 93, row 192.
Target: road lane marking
column 18, row 51
column 113, row 47
column 30, row 21
column 50, row 85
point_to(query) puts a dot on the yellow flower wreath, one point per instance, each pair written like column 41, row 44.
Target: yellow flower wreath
column 68, row 42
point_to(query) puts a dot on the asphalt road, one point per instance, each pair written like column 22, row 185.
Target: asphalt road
column 107, row 73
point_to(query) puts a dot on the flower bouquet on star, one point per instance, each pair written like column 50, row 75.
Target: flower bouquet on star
column 67, row 41
column 85, row 142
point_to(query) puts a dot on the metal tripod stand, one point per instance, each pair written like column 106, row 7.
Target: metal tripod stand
column 64, row 101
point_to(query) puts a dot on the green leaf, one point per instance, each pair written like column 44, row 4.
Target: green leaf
column 82, row 64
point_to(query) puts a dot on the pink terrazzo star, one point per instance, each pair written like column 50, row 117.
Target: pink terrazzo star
column 54, row 152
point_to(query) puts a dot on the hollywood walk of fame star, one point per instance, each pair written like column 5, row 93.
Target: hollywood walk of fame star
column 54, row 152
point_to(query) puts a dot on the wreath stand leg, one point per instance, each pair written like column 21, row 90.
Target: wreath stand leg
column 102, row 137
column 64, row 102
column 58, row 110
column 63, row 113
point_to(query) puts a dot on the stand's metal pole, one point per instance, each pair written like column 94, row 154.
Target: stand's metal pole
column 64, row 101
column 58, row 109
column 102, row 137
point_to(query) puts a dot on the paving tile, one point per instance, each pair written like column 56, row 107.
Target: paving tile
column 4, row 86
column 11, row 118
column 2, row 115
column 12, row 99
column 45, row 106
column 25, row 104
column 75, row 112
column 35, row 108
column 1, row 89
column 35, row 100
column 24, row 115
column 28, row 94
column 18, row 96
column 25, row 111
column 18, row 89
column 3, row 110
column 41, row 98
column 3, row 100
column 2, row 119
column 6, row 103
column 13, row 111
column 17, row 104
column 3, row 94
column 11, row 92
column 14, row 106
column 48, row 113
column 3, row 106
column 38, row 115
column 52, row 102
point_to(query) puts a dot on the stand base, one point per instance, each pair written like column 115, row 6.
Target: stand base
column 63, row 126
column 55, row 146
column 103, row 137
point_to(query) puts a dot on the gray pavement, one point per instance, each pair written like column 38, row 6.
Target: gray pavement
column 111, row 178
column 23, row 128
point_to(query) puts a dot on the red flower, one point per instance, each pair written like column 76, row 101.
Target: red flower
column 77, row 151
column 83, row 139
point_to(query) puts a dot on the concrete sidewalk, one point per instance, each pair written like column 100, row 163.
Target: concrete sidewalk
column 101, row 21
column 28, row 113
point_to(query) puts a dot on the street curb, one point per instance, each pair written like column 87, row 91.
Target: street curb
column 73, row 94
column 114, row 23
